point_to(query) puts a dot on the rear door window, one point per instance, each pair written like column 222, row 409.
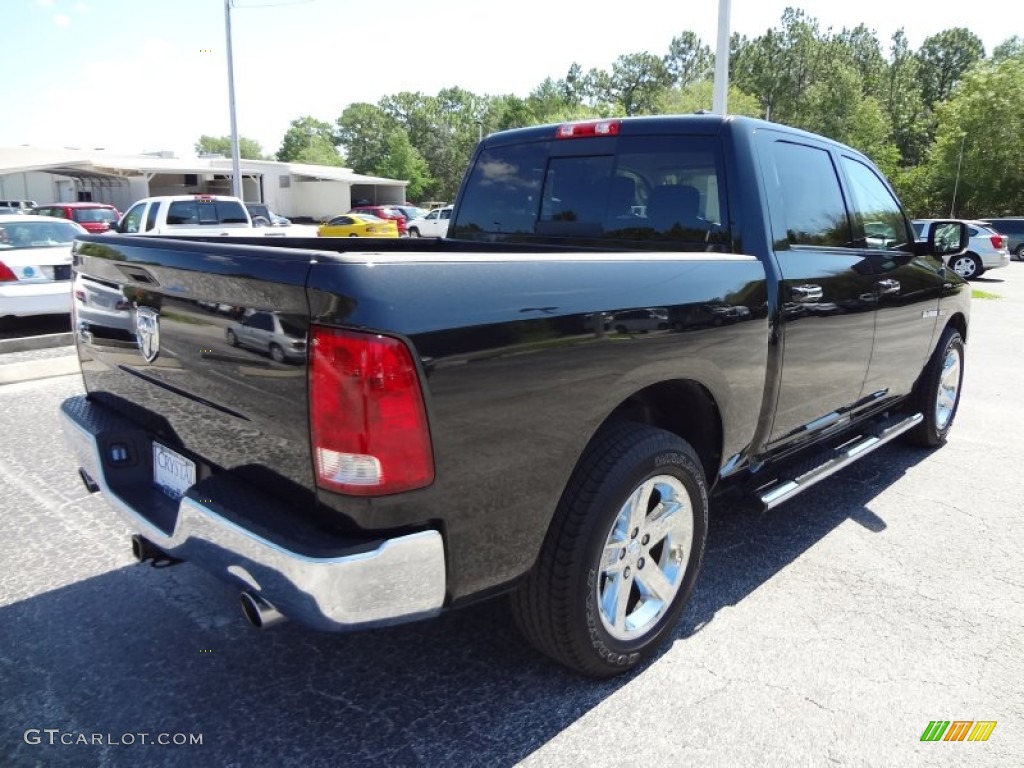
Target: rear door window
column 813, row 209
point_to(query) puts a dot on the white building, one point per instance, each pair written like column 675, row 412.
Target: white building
column 294, row 190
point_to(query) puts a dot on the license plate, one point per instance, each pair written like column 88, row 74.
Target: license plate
column 172, row 472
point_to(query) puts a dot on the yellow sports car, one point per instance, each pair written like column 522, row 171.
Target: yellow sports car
column 357, row 225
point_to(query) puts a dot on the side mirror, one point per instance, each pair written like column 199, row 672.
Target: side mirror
column 947, row 237
column 114, row 226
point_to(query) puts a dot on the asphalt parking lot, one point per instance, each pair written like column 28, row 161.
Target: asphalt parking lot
column 830, row 631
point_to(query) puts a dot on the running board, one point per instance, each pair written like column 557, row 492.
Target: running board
column 842, row 457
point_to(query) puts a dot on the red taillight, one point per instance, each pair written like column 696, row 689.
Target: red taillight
column 367, row 418
column 591, row 128
column 998, row 241
column 6, row 276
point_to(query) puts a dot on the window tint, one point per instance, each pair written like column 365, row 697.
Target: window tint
column 812, row 203
column 446, row 214
column 876, row 213
column 231, row 212
column 637, row 190
column 183, row 212
column 151, row 216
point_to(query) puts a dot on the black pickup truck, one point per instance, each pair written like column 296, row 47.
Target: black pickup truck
column 626, row 318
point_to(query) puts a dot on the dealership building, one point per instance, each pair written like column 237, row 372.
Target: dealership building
column 295, row 190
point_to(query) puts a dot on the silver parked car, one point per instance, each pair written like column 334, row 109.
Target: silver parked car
column 986, row 249
column 282, row 336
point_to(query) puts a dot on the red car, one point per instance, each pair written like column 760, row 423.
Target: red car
column 384, row 212
column 95, row 217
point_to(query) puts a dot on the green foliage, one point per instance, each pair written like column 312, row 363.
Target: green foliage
column 981, row 123
column 403, row 161
column 363, row 130
column 688, row 60
column 221, row 145
column 309, row 140
column 907, row 110
column 944, row 58
column 699, row 95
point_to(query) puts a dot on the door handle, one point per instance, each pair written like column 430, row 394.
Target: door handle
column 889, row 286
column 806, row 293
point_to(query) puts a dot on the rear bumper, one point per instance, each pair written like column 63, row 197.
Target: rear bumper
column 996, row 259
column 331, row 586
column 27, row 299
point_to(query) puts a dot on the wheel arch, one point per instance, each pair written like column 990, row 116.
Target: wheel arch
column 959, row 322
column 683, row 407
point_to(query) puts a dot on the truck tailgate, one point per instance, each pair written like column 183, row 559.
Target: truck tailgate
column 218, row 373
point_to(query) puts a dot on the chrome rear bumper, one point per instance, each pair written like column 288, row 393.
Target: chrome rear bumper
column 360, row 584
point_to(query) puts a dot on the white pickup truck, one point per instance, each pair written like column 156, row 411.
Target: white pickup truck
column 189, row 215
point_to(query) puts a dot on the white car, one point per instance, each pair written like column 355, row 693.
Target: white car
column 35, row 264
column 986, row 249
column 434, row 224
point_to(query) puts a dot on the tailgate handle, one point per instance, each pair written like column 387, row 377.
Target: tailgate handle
column 807, row 293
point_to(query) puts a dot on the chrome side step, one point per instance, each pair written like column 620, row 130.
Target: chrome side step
column 783, row 490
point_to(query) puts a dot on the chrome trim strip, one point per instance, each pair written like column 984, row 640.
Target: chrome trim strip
column 787, row 489
column 403, row 579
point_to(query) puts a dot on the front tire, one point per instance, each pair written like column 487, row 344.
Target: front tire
column 1020, row 252
column 232, row 339
column 621, row 556
column 414, row 232
column 277, row 353
column 938, row 392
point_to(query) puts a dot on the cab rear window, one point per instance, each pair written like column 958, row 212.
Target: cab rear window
column 661, row 192
column 206, row 212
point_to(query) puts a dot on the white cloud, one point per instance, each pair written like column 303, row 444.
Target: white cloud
column 62, row 20
column 45, row 3
column 81, row 8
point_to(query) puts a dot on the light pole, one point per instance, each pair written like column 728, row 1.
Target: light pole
column 720, row 99
column 956, row 183
column 236, row 163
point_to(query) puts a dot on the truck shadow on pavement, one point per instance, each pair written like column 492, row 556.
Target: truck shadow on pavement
column 165, row 651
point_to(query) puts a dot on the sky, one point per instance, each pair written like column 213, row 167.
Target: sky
column 146, row 75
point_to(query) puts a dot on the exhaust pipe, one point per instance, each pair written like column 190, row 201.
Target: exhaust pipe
column 259, row 612
column 145, row 551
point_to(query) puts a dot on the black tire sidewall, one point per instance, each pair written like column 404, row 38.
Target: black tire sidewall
column 276, row 353
column 930, row 433
column 639, row 464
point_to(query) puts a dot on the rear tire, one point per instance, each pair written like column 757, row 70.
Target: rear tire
column 938, row 392
column 967, row 265
column 621, row 556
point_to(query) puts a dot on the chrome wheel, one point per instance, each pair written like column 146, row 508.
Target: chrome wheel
column 644, row 558
column 949, row 387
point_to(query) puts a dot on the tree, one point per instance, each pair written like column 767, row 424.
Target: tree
column 688, row 60
column 908, row 118
column 636, row 81
column 404, row 162
column 1011, row 48
column 697, row 96
column 779, row 66
column 309, row 140
column 981, row 120
column 363, row 130
column 221, row 145
column 944, row 59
